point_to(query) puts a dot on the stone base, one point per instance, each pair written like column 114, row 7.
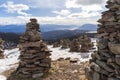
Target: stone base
column 15, row 76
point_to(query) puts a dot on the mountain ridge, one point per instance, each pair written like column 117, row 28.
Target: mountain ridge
column 47, row 28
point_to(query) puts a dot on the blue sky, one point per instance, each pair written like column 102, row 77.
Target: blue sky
column 65, row 12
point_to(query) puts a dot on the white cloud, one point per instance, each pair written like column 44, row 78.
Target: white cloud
column 80, row 3
column 84, row 14
column 11, row 20
column 89, row 2
column 87, row 12
column 87, row 8
column 62, row 12
column 45, row 3
column 16, row 8
column 47, row 20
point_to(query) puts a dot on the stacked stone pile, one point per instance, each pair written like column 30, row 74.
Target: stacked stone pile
column 85, row 43
column 75, row 46
column 1, row 49
column 65, row 43
column 34, row 59
column 105, row 63
column 56, row 44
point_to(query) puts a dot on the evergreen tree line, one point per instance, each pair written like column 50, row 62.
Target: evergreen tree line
column 12, row 39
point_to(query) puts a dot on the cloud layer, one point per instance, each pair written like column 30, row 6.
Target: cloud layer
column 66, row 12
column 11, row 7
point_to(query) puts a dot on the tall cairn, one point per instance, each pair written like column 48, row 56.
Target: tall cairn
column 65, row 43
column 75, row 46
column 105, row 63
column 85, row 43
column 1, row 49
column 34, row 58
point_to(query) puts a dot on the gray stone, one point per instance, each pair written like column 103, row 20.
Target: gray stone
column 103, row 43
column 89, row 73
column 104, row 66
column 97, row 68
column 96, row 76
column 117, row 59
column 113, row 78
column 114, row 48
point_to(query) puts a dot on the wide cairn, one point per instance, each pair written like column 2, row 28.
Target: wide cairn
column 34, row 58
column 1, row 49
column 105, row 63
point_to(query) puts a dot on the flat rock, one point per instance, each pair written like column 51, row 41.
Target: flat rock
column 114, row 48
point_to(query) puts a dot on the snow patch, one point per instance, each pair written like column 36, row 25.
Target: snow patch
column 2, row 77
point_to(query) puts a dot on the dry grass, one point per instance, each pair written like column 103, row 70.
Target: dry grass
column 60, row 70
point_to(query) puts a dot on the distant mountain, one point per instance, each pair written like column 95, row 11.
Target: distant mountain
column 12, row 28
column 44, row 28
column 47, row 28
column 90, row 27
column 61, row 34
column 53, row 27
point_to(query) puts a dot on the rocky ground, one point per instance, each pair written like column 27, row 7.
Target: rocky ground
column 62, row 70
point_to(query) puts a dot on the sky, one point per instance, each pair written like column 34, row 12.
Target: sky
column 63, row 12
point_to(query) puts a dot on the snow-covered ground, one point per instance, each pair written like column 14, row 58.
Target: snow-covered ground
column 11, row 57
column 64, row 53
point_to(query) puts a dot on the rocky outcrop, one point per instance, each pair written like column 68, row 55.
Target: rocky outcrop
column 105, row 63
column 34, row 58
column 1, row 49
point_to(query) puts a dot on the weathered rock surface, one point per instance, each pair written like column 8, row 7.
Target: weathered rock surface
column 105, row 63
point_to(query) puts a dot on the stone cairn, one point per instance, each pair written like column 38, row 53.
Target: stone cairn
column 105, row 63
column 56, row 44
column 75, row 46
column 65, row 43
column 1, row 49
column 85, row 43
column 34, row 58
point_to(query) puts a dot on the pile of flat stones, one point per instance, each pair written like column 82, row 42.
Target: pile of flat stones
column 65, row 43
column 105, row 63
column 75, row 46
column 56, row 44
column 1, row 49
column 85, row 43
column 34, row 58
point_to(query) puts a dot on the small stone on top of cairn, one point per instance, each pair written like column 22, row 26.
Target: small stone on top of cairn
column 1, row 49
column 105, row 63
column 34, row 58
